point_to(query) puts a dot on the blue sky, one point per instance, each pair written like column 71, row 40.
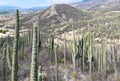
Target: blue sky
column 33, row 3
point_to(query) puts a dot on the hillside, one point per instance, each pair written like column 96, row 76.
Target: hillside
column 66, row 43
column 58, row 14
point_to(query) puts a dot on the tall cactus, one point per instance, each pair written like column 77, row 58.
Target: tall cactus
column 15, row 50
column 40, row 73
column 9, row 58
column 114, row 56
column 65, row 47
column 38, row 43
column 52, row 48
column 90, row 52
column 74, row 50
column 52, row 42
column 83, row 53
column 33, row 70
column 56, row 63
column 99, row 60
column 3, row 64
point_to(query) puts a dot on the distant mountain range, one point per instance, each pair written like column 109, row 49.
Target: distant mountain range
column 7, row 8
column 11, row 9
column 85, row 4
column 36, row 8
column 56, row 14
column 98, row 4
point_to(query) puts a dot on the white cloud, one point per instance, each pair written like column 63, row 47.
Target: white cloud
column 2, row 2
column 59, row 1
column 13, row 2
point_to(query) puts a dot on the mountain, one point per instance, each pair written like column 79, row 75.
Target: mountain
column 59, row 13
column 98, row 4
column 8, row 8
column 36, row 8
column 108, row 5
column 87, row 4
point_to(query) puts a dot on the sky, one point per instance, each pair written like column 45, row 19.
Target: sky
column 33, row 3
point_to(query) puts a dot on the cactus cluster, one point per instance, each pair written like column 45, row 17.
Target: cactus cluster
column 85, row 54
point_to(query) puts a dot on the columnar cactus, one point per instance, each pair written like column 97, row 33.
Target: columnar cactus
column 90, row 52
column 74, row 50
column 56, row 63
column 33, row 70
column 52, row 48
column 3, row 65
column 39, row 73
column 29, row 35
column 99, row 60
column 114, row 56
column 9, row 58
column 65, row 46
column 52, row 42
column 83, row 54
column 38, row 43
column 104, row 54
column 80, row 51
column 15, row 50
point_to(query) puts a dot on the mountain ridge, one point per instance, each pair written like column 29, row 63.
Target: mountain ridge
column 96, row 4
column 7, row 8
column 59, row 13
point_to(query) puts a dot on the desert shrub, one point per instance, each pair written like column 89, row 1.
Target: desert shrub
column 3, row 31
column 75, row 74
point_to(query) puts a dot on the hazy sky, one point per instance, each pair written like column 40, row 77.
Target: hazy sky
column 32, row 3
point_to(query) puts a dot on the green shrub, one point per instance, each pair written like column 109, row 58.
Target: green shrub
column 3, row 31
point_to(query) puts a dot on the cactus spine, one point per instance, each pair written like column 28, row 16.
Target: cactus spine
column 15, row 50
column 33, row 70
